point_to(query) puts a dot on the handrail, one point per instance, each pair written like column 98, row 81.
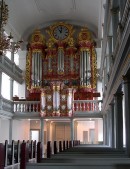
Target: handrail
column 78, row 105
column 26, row 106
column 87, row 105
column 11, row 69
column 6, row 105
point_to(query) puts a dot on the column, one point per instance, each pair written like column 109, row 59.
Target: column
column 11, row 88
column 127, row 111
column 72, row 128
column 42, row 135
column 118, row 120
column 12, row 51
column 48, row 131
column 10, row 130
column 108, row 128
column 0, row 87
column 115, row 21
column 112, row 125
column 0, row 80
column 104, row 130
column 122, row 6
column 109, row 38
column 96, row 131
column 75, row 130
column 11, row 80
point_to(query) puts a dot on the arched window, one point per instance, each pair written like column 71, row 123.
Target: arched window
column 5, row 86
column 15, row 89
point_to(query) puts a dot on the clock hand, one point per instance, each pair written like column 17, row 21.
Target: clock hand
column 60, row 29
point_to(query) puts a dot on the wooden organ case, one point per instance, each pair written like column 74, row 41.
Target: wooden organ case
column 61, row 66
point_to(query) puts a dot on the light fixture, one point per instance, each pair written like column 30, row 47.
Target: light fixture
column 5, row 41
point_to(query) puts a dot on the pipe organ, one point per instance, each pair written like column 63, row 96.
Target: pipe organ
column 61, row 67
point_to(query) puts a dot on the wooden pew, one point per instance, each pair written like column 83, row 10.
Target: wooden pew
column 67, row 144
column 60, row 146
column 24, row 155
column 12, row 153
column 39, row 152
column 2, row 154
column 49, row 151
column 64, row 145
column 55, row 147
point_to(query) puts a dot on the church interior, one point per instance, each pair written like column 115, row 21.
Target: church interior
column 65, row 75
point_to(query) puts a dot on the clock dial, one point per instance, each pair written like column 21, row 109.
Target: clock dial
column 61, row 32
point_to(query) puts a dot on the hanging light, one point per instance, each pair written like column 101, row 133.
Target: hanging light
column 5, row 41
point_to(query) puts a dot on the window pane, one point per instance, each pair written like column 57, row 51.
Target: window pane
column 16, row 58
column 8, row 54
column 15, row 89
column 5, row 86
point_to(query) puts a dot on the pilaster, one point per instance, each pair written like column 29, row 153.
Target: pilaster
column 119, row 120
column 127, row 111
column 11, row 88
column 115, row 21
column 104, row 130
column 48, row 131
column 10, row 130
column 112, row 126
column 72, row 128
column 42, row 135
column 0, row 81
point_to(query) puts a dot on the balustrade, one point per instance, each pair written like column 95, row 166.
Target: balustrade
column 87, row 105
column 26, row 106
column 6, row 105
column 11, row 69
column 78, row 106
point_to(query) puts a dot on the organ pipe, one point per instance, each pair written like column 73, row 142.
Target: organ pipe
column 36, row 69
column 60, row 60
column 35, row 61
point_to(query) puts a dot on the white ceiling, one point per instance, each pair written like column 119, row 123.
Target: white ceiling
column 26, row 15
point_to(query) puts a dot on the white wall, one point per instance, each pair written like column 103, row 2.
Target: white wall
column 100, row 129
column 98, row 50
column 99, row 89
column 22, row 66
column 99, row 83
column 84, row 126
column 21, row 130
column 96, row 124
column 4, row 130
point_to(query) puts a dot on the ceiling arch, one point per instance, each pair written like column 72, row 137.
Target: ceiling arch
column 26, row 15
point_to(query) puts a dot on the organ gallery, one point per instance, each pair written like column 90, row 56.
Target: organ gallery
column 61, row 66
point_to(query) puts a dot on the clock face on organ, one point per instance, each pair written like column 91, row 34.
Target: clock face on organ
column 60, row 32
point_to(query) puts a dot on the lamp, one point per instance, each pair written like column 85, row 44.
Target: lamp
column 5, row 43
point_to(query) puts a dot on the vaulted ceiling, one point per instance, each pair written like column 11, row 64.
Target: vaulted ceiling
column 26, row 15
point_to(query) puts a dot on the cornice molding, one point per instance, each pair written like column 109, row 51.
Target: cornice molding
column 120, row 67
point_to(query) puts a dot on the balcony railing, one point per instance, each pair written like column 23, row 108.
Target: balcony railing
column 11, row 69
column 26, row 106
column 6, row 105
column 18, row 108
column 87, row 105
column 79, row 106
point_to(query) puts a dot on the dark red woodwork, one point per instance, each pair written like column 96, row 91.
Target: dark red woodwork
column 39, row 152
column 2, row 156
column 24, row 155
column 55, row 147
column 60, row 146
column 49, row 149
